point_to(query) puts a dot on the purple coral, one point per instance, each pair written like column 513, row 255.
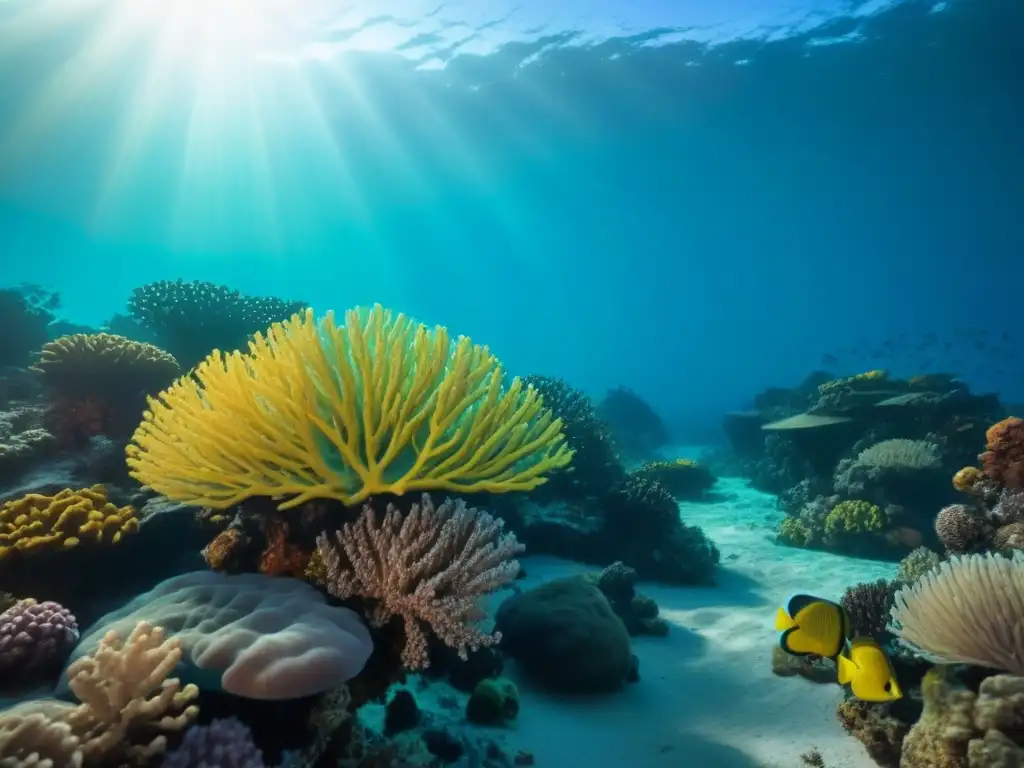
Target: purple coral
column 224, row 743
column 35, row 636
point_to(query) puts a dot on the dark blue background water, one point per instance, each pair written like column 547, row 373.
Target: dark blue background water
column 694, row 220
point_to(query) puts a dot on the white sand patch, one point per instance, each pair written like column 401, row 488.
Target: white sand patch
column 707, row 697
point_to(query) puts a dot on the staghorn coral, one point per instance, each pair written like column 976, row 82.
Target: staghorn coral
column 35, row 740
column 68, row 519
column 868, row 606
column 381, row 405
column 1003, row 459
column 191, row 318
column 127, row 706
column 128, row 720
column 970, row 610
column 432, row 565
column 35, row 636
column 854, row 516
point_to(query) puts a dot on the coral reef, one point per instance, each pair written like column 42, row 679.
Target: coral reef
column 223, row 743
column 191, row 318
column 35, row 636
column 98, row 382
column 1003, row 458
column 868, row 607
column 430, row 565
column 70, row 518
column 595, row 465
column 683, row 478
column 124, row 723
column 304, row 438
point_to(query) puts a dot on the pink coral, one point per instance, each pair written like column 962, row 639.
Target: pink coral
column 431, row 565
column 35, row 636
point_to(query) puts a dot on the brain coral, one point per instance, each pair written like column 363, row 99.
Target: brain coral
column 267, row 637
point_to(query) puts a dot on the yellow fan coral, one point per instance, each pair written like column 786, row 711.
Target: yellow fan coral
column 316, row 410
column 37, row 521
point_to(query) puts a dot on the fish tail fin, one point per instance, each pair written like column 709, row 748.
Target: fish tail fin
column 783, row 621
column 845, row 668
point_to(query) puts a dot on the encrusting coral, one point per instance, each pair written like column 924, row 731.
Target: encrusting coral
column 128, row 703
column 314, row 410
column 431, row 565
column 37, row 521
column 683, row 478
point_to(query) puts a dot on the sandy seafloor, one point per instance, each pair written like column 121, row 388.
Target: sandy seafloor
column 707, row 697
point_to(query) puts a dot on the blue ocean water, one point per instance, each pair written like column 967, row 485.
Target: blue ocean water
column 697, row 201
column 693, row 200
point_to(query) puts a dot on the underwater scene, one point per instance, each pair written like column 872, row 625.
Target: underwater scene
column 486, row 384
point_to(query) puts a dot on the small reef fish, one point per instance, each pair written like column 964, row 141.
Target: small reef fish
column 810, row 625
column 866, row 668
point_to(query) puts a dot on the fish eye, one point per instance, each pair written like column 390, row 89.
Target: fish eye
column 888, row 687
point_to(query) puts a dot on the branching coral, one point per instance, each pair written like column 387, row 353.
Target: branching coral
column 1003, row 459
column 127, row 705
column 69, row 518
column 380, row 405
column 190, row 318
column 595, row 465
column 431, row 565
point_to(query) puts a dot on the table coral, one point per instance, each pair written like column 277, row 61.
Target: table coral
column 37, row 521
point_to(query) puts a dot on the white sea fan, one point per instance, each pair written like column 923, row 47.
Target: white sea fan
column 970, row 610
